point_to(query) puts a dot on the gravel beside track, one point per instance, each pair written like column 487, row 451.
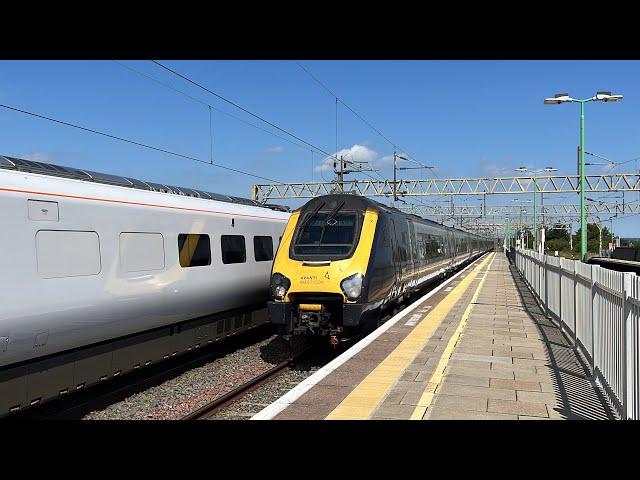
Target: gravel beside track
column 251, row 403
column 175, row 398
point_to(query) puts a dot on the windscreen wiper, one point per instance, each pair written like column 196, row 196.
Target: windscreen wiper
column 330, row 216
column 308, row 219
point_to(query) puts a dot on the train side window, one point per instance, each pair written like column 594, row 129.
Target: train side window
column 233, row 249
column 67, row 253
column 141, row 252
column 194, row 250
column 263, row 248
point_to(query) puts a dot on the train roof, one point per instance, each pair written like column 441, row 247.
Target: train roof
column 30, row 166
column 358, row 202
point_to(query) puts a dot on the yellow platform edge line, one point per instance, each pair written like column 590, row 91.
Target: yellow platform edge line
column 377, row 384
column 436, row 378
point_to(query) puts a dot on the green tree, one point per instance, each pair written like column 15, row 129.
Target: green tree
column 556, row 239
column 593, row 239
column 557, row 234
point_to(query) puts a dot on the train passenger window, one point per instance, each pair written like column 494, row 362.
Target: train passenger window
column 263, row 248
column 233, row 249
column 194, row 250
column 65, row 253
column 434, row 245
column 141, row 252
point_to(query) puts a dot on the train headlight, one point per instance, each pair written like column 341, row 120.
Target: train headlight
column 279, row 286
column 352, row 286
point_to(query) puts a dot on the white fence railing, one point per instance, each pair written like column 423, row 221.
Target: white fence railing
column 599, row 310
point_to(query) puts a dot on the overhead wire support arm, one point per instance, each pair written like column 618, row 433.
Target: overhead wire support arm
column 457, row 186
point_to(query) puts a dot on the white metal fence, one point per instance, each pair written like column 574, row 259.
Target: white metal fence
column 599, row 310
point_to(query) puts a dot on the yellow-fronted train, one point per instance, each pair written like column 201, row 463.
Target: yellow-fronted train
column 344, row 259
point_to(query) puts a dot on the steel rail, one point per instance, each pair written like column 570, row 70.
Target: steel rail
column 207, row 410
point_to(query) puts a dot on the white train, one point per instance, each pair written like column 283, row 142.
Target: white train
column 102, row 275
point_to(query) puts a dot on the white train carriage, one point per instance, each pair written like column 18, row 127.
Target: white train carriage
column 102, row 275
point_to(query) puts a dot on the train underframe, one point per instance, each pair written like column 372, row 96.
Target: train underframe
column 40, row 380
column 318, row 316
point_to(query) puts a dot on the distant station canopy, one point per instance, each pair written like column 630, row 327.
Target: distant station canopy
column 30, row 166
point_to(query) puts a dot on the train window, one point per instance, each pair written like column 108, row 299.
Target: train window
column 194, row 250
column 263, row 248
column 434, row 246
column 321, row 235
column 141, row 252
column 64, row 253
column 233, row 249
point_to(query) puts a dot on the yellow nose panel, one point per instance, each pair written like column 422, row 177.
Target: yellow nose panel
column 325, row 277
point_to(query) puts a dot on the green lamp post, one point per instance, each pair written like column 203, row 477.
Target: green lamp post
column 565, row 98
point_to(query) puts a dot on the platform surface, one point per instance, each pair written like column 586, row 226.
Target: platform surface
column 478, row 347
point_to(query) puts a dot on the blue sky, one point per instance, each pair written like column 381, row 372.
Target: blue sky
column 467, row 118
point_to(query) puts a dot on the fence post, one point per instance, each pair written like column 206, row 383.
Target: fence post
column 560, row 295
column 546, row 284
column 627, row 404
column 575, row 302
column 537, row 274
column 594, row 314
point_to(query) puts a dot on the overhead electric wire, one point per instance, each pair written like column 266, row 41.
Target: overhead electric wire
column 134, row 142
column 240, row 107
column 202, row 102
column 364, row 120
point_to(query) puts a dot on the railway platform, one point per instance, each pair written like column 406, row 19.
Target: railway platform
column 476, row 347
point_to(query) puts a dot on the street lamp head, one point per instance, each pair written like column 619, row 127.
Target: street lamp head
column 521, row 169
column 550, row 169
column 607, row 97
column 558, row 98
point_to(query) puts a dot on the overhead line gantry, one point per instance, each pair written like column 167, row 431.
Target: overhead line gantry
column 612, row 182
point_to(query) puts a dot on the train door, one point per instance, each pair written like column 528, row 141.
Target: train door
column 382, row 276
column 401, row 251
column 446, row 248
column 411, row 251
column 395, row 255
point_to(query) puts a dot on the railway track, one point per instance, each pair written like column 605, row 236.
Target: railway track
column 210, row 409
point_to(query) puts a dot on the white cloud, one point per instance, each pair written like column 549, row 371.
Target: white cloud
column 388, row 160
column 37, row 157
column 278, row 149
column 499, row 168
column 356, row 152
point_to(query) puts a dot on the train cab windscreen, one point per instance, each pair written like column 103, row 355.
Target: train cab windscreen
column 326, row 235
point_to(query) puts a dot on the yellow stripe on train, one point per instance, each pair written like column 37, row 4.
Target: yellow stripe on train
column 310, row 307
